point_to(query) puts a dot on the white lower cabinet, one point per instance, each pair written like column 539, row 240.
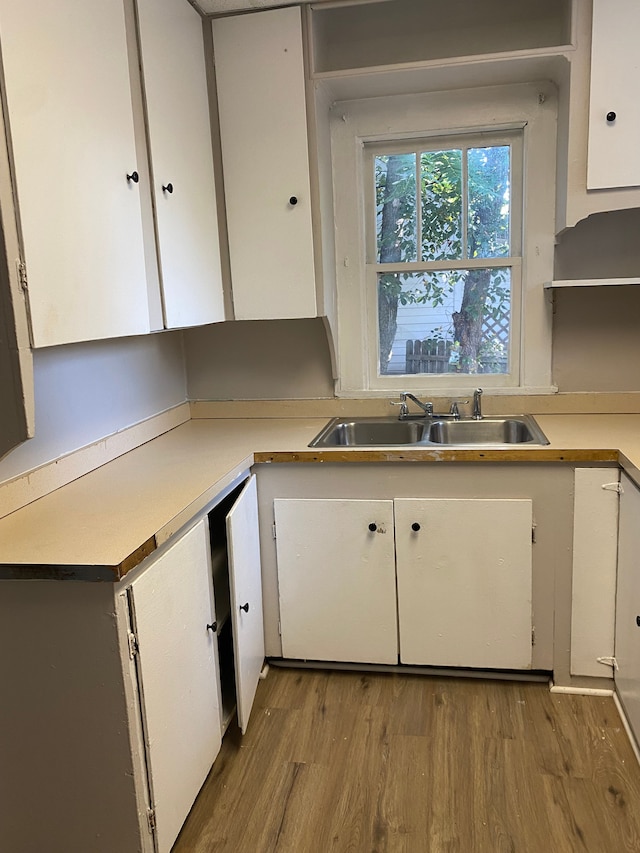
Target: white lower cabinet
column 120, row 693
column 172, row 606
column 336, row 580
column 627, row 674
column 177, row 630
column 464, row 582
column 462, row 567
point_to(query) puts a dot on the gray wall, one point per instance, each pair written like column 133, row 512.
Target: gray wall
column 84, row 392
column 596, row 338
column 259, row 360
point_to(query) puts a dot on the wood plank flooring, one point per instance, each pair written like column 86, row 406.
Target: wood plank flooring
column 388, row 763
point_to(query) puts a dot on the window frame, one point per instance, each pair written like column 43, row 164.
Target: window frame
column 434, row 142
column 356, row 126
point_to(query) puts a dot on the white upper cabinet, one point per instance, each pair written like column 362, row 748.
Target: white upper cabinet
column 183, row 186
column 614, row 106
column 263, row 125
column 68, row 94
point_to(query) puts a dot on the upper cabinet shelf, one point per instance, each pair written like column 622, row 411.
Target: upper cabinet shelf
column 589, row 282
column 374, row 35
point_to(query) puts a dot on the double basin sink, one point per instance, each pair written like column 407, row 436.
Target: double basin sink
column 430, row 432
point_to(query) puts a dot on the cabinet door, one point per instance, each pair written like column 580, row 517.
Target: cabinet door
column 627, row 675
column 245, row 584
column 464, row 582
column 614, row 107
column 593, row 586
column 263, row 127
column 175, row 86
column 72, row 137
column 336, row 580
column 172, row 607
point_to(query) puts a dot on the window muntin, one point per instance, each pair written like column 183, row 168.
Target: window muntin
column 448, row 217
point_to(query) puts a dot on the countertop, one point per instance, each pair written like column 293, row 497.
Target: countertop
column 103, row 524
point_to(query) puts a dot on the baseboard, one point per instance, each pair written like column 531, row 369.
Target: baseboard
column 626, row 726
column 34, row 484
column 581, row 691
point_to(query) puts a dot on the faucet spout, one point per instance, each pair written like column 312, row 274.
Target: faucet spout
column 477, row 404
column 427, row 408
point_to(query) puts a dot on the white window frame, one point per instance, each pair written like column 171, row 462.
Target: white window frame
column 355, row 125
column 513, row 262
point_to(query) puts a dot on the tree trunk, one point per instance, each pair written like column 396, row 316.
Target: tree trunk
column 468, row 321
column 390, row 253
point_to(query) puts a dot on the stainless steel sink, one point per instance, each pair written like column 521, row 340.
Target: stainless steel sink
column 360, row 432
column 514, row 430
column 430, row 432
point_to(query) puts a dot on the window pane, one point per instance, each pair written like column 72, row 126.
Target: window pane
column 454, row 321
column 489, row 202
column 395, row 176
column 441, row 196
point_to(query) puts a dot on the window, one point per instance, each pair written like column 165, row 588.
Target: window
column 446, row 216
column 439, row 271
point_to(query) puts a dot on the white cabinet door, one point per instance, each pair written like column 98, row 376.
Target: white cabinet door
column 177, row 106
column 464, row 582
column 614, row 106
column 245, row 583
column 172, row 607
column 68, row 93
column 263, row 127
column 593, row 588
column 336, row 579
column 627, row 675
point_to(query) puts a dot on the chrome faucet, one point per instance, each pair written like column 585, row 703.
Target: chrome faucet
column 477, row 405
column 427, row 408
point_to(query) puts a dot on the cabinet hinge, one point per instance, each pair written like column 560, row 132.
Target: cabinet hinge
column 279, row 628
column 133, row 644
column 22, row 276
column 533, row 532
column 613, row 487
column 151, row 820
column 533, row 635
column 273, row 530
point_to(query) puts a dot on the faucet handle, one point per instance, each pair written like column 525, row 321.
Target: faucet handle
column 404, row 409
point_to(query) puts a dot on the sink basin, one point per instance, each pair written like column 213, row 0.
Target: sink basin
column 515, row 430
column 429, row 432
column 360, row 432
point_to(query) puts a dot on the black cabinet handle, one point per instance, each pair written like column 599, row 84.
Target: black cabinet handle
column 245, row 607
column 167, row 189
column 415, row 526
column 373, row 527
column 293, row 201
column 611, row 116
column 638, row 621
column 213, row 627
column 134, row 176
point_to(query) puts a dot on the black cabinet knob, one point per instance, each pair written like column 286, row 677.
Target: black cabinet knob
column 638, row 621
column 168, row 188
column 134, row 176
column 213, row 627
column 611, row 116
column 415, row 526
column 373, row 527
column 293, row 201
column 245, row 607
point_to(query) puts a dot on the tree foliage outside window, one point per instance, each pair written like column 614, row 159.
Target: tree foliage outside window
column 447, row 210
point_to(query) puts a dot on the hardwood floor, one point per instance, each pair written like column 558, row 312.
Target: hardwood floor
column 387, row 763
